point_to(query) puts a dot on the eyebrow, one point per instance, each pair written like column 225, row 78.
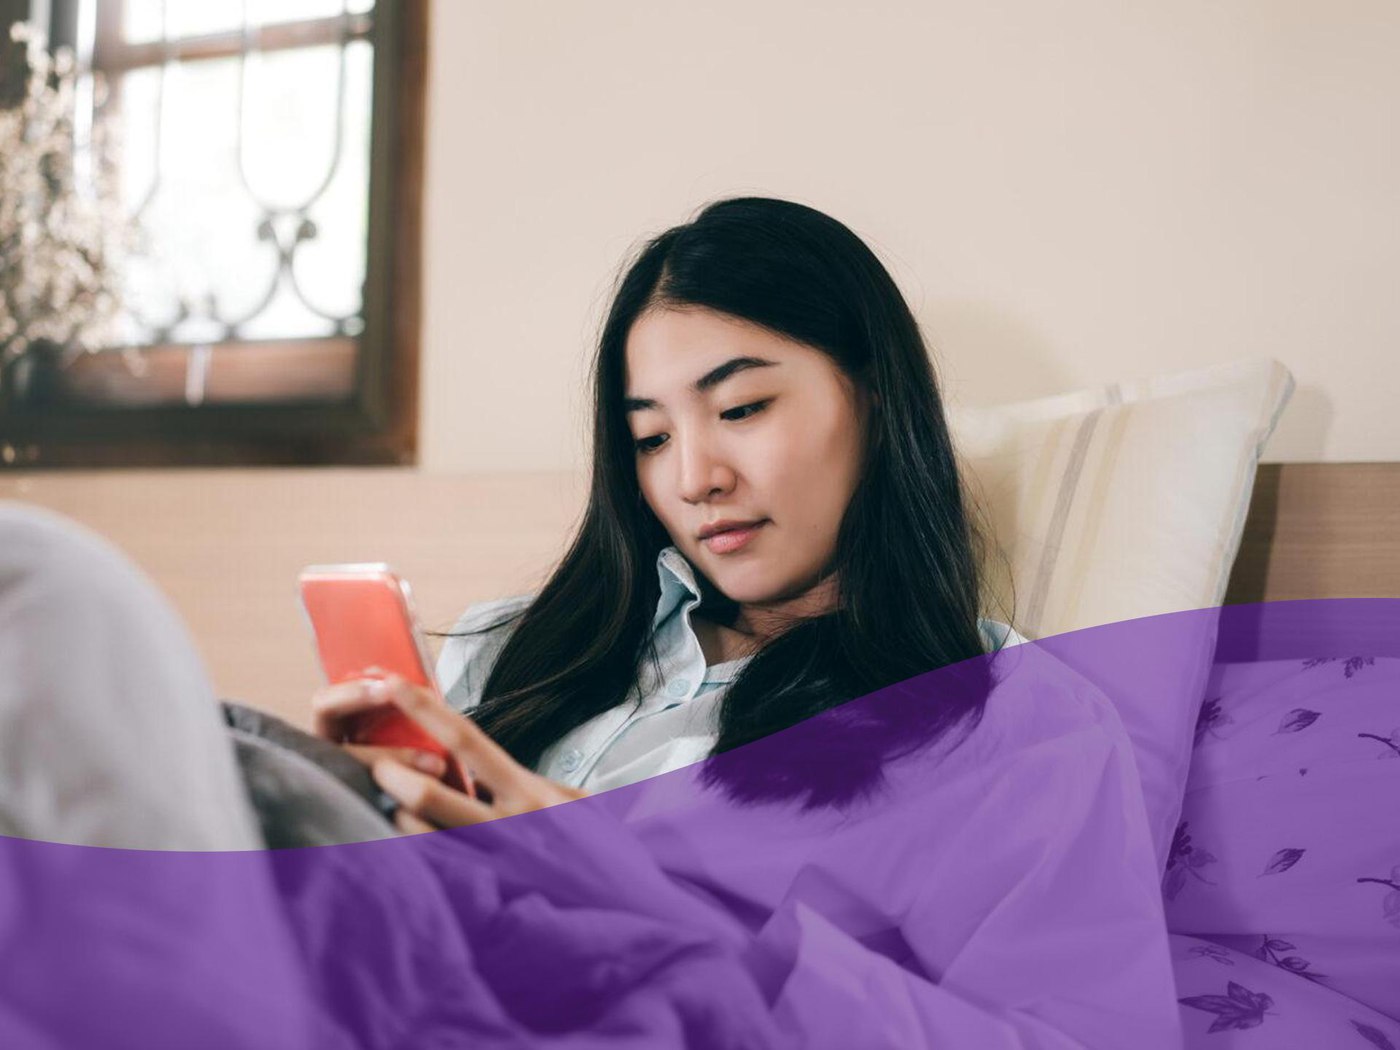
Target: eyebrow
column 711, row 379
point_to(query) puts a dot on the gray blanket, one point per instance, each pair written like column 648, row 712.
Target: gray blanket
column 307, row 791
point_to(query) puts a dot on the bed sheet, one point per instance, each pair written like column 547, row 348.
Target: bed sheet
column 1282, row 888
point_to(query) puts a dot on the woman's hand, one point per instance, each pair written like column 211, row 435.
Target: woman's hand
column 334, row 706
column 427, row 804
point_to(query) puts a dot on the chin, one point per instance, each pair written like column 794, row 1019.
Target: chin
column 742, row 584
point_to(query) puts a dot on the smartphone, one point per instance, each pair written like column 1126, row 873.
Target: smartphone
column 362, row 617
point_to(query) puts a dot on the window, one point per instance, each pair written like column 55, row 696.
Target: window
column 271, row 159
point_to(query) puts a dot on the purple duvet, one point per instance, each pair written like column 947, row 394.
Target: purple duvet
column 1283, row 885
column 999, row 891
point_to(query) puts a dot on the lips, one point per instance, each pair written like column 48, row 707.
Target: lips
column 727, row 525
column 728, row 540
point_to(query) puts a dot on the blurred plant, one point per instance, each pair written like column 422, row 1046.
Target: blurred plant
column 63, row 231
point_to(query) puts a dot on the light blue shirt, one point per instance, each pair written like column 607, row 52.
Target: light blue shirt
column 676, row 722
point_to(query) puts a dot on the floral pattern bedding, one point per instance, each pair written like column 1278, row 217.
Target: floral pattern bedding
column 1282, row 887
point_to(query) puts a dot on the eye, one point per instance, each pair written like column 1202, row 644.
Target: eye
column 757, row 406
column 647, row 445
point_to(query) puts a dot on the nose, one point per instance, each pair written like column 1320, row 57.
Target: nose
column 704, row 473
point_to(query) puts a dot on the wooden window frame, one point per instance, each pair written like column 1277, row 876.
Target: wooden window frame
column 378, row 423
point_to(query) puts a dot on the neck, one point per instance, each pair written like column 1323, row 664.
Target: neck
column 762, row 621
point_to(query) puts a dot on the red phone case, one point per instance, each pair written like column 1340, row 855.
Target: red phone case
column 361, row 615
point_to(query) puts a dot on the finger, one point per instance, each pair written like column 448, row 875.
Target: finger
column 332, row 705
column 427, row 798
column 423, row 761
column 411, row 825
column 460, row 735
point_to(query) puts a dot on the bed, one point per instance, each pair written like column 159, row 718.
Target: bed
column 1283, row 890
column 1270, row 946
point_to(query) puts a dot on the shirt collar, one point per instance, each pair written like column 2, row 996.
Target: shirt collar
column 678, row 584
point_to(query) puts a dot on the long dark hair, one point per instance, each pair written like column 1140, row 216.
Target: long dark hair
column 909, row 548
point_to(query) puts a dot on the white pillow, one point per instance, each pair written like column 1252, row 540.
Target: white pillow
column 1120, row 502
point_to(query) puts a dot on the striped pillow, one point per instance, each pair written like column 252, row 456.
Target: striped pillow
column 1120, row 502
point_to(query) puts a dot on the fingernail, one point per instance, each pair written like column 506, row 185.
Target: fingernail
column 377, row 690
column 430, row 763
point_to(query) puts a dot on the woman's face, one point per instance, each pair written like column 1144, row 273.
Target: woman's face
column 734, row 422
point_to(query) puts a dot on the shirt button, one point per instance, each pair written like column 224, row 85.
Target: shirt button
column 680, row 687
column 570, row 760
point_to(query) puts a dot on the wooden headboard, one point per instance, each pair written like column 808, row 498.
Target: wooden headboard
column 225, row 546
column 1319, row 530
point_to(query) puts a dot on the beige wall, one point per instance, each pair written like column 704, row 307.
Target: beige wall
column 1068, row 193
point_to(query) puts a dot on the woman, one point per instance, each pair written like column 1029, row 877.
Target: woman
column 776, row 571
column 757, row 366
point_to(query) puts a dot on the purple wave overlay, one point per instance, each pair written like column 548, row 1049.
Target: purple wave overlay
column 1003, row 893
